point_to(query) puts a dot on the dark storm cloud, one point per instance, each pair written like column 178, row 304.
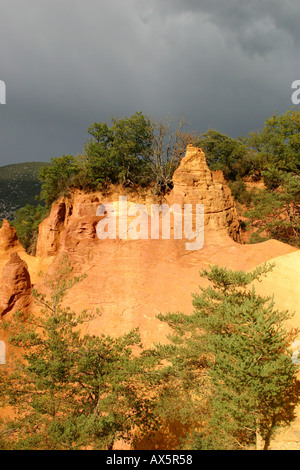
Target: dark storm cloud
column 224, row 64
column 258, row 27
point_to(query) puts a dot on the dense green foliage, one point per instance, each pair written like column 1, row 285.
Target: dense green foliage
column 278, row 143
column 227, row 154
column 26, row 222
column 275, row 147
column 168, row 147
column 133, row 152
column 19, row 185
column 232, row 357
column 275, row 213
column 226, row 375
column 57, row 178
column 272, row 155
column 139, row 152
column 118, row 154
column 19, row 200
column 70, row 391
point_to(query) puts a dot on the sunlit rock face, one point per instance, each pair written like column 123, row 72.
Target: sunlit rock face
column 131, row 281
column 194, row 183
column 15, row 287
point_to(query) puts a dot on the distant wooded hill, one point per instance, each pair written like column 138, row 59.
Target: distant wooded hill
column 19, row 185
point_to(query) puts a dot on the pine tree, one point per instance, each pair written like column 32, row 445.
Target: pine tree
column 68, row 390
column 275, row 212
column 238, row 338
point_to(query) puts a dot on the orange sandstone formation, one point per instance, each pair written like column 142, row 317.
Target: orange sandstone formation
column 73, row 220
column 194, row 183
column 131, row 281
column 8, row 238
column 15, row 286
column 49, row 231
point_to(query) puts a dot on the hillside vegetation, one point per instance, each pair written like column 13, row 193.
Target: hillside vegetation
column 19, row 185
column 226, row 376
column 137, row 152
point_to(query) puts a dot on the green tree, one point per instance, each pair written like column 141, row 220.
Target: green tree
column 278, row 143
column 57, row 178
column 239, row 191
column 236, row 342
column 26, row 223
column 275, row 213
column 69, row 390
column 273, row 178
column 168, row 146
column 119, row 154
column 134, row 151
column 227, row 154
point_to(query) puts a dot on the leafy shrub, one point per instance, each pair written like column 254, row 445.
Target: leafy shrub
column 26, row 222
column 272, row 178
column 56, row 178
column 240, row 192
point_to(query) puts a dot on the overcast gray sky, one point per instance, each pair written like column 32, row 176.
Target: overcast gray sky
column 224, row 64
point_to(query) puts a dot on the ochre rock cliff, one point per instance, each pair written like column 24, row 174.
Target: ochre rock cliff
column 73, row 221
column 15, row 285
column 194, row 183
column 49, row 231
column 131, row 281
column 8, row 238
